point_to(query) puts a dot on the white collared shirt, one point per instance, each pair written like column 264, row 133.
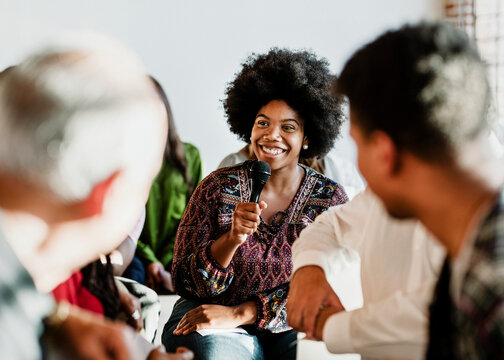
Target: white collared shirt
column 397, row 263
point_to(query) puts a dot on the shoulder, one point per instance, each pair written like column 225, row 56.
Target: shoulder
column 226, row 178
column 191, row 150
column 190, row 147
column 233, row 159
column 486, row 269
column 325, row 188
column 489, row 242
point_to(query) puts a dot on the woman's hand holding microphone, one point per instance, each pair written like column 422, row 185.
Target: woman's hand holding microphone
column 246, row 219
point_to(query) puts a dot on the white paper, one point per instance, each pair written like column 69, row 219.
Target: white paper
column 205, row 332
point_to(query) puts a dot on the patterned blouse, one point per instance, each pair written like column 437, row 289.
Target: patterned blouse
column 261, row 267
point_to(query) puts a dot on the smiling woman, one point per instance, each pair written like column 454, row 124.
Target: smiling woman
column 232, row 262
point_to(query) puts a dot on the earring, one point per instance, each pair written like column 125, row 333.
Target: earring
column 305, row 147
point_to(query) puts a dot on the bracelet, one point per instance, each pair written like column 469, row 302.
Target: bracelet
column 59, row 315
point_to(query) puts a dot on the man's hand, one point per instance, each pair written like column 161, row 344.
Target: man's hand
column 322, row 317
column 309, row 292
column 216, row 317
column 84, row 335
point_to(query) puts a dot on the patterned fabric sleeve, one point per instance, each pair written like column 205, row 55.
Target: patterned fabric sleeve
column 339, row 197
column 271, row 311
column 195, row 271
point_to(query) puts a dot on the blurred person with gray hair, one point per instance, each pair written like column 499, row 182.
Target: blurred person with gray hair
column 82, row 132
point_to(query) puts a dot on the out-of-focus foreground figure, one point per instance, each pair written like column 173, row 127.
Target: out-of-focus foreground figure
column 82, row 132
column 419, row 101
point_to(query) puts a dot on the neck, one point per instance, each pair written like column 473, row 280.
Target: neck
column 285, row 179
column 451, row 205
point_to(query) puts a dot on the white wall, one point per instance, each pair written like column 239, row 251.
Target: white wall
column 195, row 47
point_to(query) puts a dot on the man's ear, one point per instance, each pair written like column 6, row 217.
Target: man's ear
column 93, row 204
column 386, row 153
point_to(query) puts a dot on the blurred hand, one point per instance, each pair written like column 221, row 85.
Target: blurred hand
column 322, row 317
column 84, row 335
column 246, row 219
column 216, row 317
column 131, row 307
column 166, row 280
column 309, row 293
column 154, row 280
column 181, row 354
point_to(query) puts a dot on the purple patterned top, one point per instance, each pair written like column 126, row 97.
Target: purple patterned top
column 261, row 267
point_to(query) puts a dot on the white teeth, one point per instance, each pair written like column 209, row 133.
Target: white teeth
column 272, row 151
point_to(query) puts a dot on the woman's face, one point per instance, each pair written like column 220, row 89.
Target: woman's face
column 277, row 135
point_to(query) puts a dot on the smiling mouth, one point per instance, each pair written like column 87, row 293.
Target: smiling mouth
column 272, row 150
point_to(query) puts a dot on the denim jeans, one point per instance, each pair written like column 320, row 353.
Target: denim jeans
column 256, row 345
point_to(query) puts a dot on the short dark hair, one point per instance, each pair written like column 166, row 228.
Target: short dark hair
column 425, row 85
column 301, row 80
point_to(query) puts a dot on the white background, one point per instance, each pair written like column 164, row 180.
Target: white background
column 194, row 48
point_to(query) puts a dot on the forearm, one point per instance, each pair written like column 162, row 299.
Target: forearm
column 199, row 275
column 393, row 327
column 323, row 244
column 122, row 256
column 145, row 253
column 223, row 249
column 246, row 313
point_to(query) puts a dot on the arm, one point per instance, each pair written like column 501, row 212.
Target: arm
column 123, row 255
column 332, row 244
column 72, row 332
column 326, row 269
column 394, row 327
column 195, row 271
column 266, row 311
column 130, row 306
column 271, row 310
column 195, row 164
column 209, row 316
column 204, row 248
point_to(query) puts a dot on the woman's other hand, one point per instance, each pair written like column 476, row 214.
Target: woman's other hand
column 246, row 219
column 217, row 317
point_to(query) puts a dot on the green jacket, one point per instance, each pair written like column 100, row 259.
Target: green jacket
column 168, row 198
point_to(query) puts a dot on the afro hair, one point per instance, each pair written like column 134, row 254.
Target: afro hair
column 301, row 80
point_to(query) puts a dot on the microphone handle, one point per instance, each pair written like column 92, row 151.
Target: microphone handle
column 254, row 198
column 257, row 187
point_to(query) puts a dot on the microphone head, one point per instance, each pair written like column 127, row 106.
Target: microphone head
column 260, row 171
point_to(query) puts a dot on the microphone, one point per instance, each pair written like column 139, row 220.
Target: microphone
column 260, row 172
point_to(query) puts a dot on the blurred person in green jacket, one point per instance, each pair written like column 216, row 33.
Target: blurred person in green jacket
column 180, row 173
